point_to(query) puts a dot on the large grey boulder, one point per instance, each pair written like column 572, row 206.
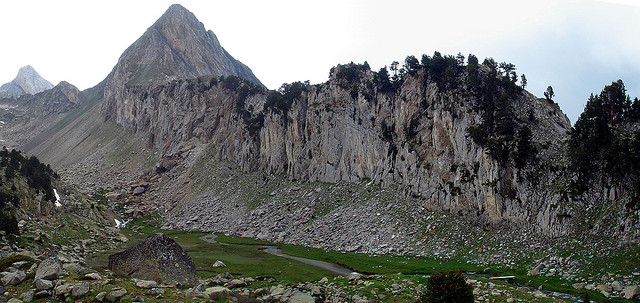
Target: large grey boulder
column 116, row 294
column 300, row 297
column 49, row 269
column 147, row 284
column 42, row 284
column 158, row 258
column 80, row 289
column 14, row 278
column 631, row 292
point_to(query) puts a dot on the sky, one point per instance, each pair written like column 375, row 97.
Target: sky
column 575, row 46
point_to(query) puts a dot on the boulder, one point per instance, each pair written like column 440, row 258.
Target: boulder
column 100, row 297
column 604, row 288
column 219, row 263
column 631, row 292
column 147, row 284
column 155, row 291
column 93, row 276
column 139, row 190
column 28, row 295
column 217, row 292
column 354, row 276
column 235, row 283
column 617, row 286
column 74, row 267
column 42, row 284
column 49, row 269
column 115, row 294
column 300, row 297
column 63, row 289
column 158, row 258
column 14, row 278
column 80, row 289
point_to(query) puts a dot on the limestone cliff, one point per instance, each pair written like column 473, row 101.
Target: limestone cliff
column 416, row 137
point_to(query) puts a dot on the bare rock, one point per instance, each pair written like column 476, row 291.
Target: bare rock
column 80, row 289
column 139, row 190
column 147, row 284
column 93, row 276
column 631, row 292
column 14, row 278
column 42, row 284
column 158, row 258
column 155, row 291
column 49, row 269
column 300, row 297
column 116, row 295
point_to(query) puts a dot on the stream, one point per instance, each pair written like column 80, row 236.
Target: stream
column 328, row 266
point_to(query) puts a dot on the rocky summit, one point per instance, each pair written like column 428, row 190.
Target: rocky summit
column 28, row 81
column 158, row 258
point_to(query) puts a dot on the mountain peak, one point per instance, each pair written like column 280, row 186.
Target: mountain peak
column 176, row 46
column 28, row 81
column 28, row 69
column 177, row 16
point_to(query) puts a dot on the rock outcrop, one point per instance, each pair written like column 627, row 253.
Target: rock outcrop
column 59, row 99
column 49, row 269
column 28, row 81
column 158, row 258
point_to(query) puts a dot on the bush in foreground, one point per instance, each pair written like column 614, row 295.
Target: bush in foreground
column 447, row 287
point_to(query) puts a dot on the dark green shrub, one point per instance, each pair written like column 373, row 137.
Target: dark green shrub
column 6, row 262
column 447, row 287
column 9, row 224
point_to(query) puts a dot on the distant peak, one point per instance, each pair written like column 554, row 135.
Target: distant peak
column 27, row 68
column 177, row 7
column 30, row 81
column 177, row 11
column 27, row 71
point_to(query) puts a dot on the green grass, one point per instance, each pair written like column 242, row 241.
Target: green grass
column 244, row 258
column 383, row 264
column 241, row 260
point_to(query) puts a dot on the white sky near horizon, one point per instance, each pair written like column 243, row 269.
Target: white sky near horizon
column 576, row 46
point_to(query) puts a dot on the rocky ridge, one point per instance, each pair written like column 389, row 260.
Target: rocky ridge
column 28, row 81
column 327, row 135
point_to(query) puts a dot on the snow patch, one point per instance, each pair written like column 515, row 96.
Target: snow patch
column 55, row 192
column 121, row 224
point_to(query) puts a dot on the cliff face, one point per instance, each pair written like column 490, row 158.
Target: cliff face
column 177, row 46
column 416, row 138
column 28, row 81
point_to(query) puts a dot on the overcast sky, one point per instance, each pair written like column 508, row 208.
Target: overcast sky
column 577, row 47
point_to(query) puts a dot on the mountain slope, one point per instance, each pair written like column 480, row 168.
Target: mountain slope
column 28, row 81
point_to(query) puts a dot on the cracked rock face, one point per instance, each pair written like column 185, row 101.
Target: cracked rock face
column 416, row 138
column 158, row 258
